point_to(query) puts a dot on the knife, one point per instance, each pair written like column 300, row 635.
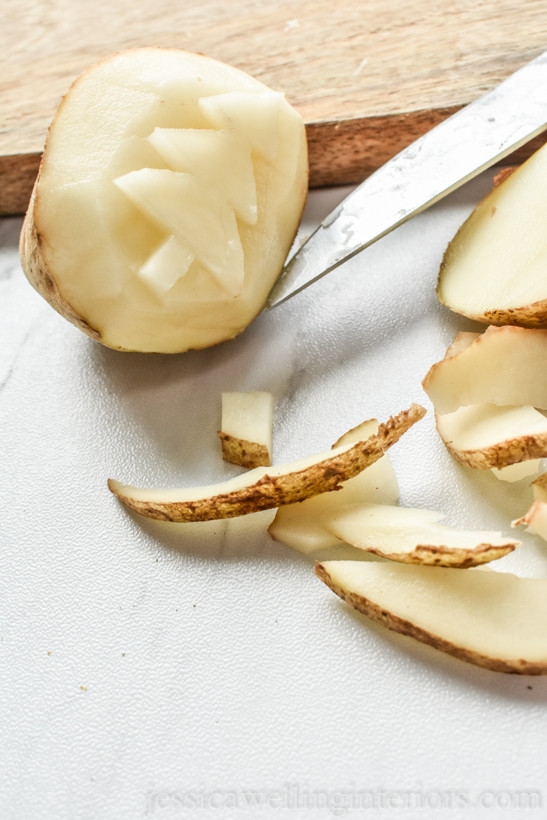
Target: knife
column 437, row 163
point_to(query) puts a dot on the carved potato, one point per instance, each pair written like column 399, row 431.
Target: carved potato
column 168, row 197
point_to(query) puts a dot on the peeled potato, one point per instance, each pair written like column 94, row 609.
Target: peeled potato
column 168, row 197
column 494, row 268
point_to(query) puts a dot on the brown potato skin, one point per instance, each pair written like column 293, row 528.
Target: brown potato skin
column 516, row 666
column 244, row 453
column 435, row 556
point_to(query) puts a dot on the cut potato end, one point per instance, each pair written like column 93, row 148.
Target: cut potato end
column 502, row 366
column 266, row 488
column 414, row 536
column 488, row 436
column 490, row 619
column 161, row 222
column 493, row 270
column 246, row 428
column 244, row 453
column 300, row 526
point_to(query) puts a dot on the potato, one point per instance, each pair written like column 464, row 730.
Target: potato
column 168, row 197
column 494, row 270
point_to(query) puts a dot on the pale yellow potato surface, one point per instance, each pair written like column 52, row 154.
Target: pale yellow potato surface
column 168, row 197
column 494, row 270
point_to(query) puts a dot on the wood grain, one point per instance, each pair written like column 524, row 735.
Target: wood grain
column 368, row 76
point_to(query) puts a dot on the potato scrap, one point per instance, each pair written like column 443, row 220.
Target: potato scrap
column 486, row 390
column 414, row 536
column 486, row 436
column 491, row 619
column 503, row 366
column 265, row 488
column 246, row 429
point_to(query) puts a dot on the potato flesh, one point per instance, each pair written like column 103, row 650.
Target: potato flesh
column 248, row 416
column 414, row 536
column 493, row 619
column 486, row 425
column 503, row 366
column 246, row 428
column 158, row 239
column 508, row 440
column 517, row 471
column 498, row 258
column 301, row 526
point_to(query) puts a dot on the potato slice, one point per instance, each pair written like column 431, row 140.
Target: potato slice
column 160, row 221
column 300, row 526
column 492, row 619
column 503, row 366
column 414, row 536
column 486, row 436
column 494, row 269
column 266, row 488
column 246, row 428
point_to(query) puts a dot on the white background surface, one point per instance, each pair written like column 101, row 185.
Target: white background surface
column 145, row 666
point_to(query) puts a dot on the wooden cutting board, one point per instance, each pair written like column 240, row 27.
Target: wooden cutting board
column 368, row 76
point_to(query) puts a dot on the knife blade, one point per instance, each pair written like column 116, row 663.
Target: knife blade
column 433, row 166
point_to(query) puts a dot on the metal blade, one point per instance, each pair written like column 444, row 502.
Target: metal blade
column 439, row 162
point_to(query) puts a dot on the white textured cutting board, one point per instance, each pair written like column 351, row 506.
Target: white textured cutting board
column 187, row 671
